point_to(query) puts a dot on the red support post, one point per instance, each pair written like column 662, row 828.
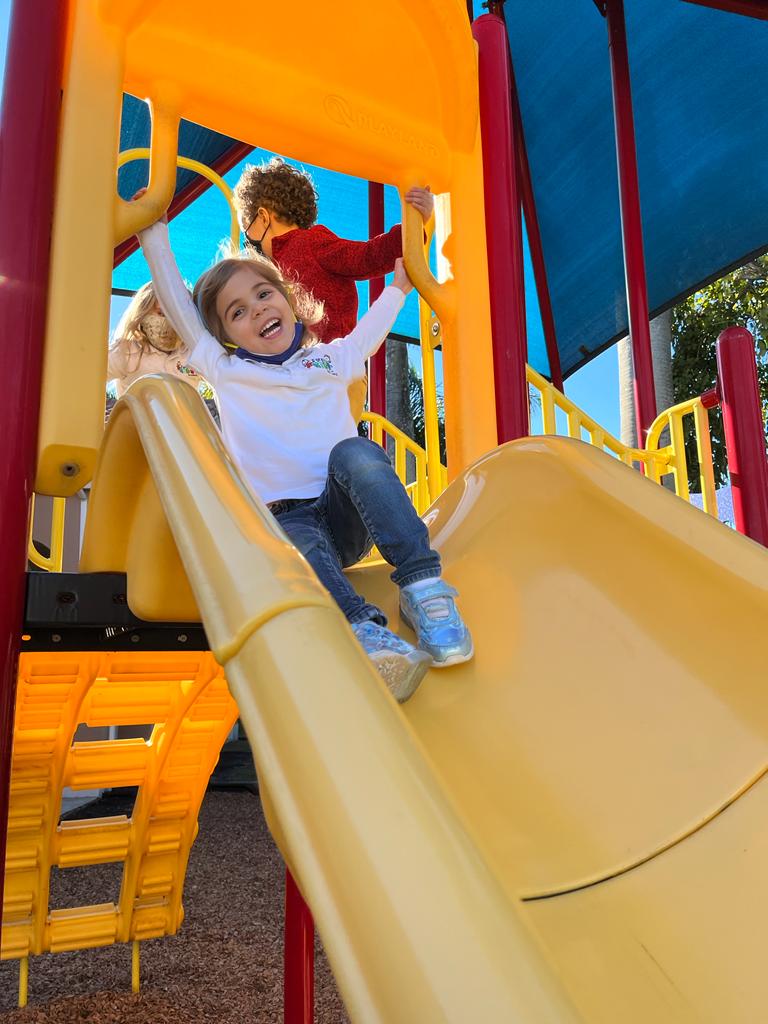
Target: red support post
column 299, row 957
column 377, row 365
column 503, row 228
column 29, row 129
column 631, row 222
column 189, row 194
column 534, row 239
column 744, row 432
column 749, row 8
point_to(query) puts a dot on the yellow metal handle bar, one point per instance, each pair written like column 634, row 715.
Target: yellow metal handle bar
column 430, row 332
column 53, row 562
column 194, row 165
column 441, row 296
column 133, row 217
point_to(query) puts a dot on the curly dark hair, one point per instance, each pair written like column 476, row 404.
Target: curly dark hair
column 277, row 186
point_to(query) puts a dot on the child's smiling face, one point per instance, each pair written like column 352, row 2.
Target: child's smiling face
column 255, row 313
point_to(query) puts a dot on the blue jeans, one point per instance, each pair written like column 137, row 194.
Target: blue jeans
column 363, row 504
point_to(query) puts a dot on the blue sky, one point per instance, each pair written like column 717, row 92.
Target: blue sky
column 594, row 388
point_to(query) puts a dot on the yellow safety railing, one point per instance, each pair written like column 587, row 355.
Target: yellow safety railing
column 52, row 562
column 657, row 462
column 418, row 488
column 128, row 155
column 674, row 455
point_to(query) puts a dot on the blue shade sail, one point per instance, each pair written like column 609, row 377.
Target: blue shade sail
column 699, row 80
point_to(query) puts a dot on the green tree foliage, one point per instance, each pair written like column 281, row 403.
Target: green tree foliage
column 416, row 396
column 741, row 299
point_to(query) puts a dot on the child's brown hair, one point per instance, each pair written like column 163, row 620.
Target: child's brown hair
column 305, row 307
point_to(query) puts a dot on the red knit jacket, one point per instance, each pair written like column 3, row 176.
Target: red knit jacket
column 328, row 266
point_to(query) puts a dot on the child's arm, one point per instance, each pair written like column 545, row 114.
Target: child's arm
column 359, row 260
column 375, row 325
column 376, row 257
column 176, row 301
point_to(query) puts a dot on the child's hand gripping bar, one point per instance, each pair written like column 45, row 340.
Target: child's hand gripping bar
column 135, row 216
column 440, row 296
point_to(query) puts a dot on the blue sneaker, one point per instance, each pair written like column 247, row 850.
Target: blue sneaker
column 401, row 665
column 428, row 607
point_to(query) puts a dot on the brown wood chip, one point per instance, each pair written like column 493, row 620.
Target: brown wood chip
column 224, row 967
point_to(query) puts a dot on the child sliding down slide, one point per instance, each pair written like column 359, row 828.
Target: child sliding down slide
column 286, row 420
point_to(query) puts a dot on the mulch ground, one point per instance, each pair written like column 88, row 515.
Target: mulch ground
column 224, row 966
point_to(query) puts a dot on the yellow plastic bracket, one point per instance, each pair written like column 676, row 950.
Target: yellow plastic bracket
column 129, row 218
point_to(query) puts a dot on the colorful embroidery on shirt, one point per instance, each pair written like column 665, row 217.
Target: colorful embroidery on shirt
column 321, row 362
column 186, row 370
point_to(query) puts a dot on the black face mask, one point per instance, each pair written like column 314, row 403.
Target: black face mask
column 252, row 244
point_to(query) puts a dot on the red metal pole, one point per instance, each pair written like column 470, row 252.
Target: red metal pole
column 631, row 222
column 534, row 239
column 189, row 194
column 744, row 436
column 299, row 952
column 503, row 228
column 377, row 365
column 749, row 8
column 29, row 127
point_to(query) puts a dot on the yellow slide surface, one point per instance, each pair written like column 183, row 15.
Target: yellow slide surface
column 568, row 828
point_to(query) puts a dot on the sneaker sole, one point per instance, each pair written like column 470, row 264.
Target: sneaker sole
column 454, row 659
column 402, row 673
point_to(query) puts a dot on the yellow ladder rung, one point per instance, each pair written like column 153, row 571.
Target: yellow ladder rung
column 95, row 841
column 106, row 764
column 82, row 927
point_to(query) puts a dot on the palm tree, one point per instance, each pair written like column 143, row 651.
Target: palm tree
column 661, row 353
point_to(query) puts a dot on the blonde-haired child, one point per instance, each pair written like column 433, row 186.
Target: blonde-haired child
column 145, row 342
column 286, row 419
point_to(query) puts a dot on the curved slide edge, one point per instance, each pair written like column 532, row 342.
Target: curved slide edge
column 415, row 924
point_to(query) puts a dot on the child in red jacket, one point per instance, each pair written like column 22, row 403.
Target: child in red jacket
column 277, row 207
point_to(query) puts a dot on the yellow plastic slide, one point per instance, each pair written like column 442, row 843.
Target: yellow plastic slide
column 570, row 827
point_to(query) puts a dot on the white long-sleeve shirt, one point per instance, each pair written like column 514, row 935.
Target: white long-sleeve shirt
column 279, row 422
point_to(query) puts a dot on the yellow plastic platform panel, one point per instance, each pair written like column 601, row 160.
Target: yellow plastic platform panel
column 416, row 925
column 617, row 698
column 185, row 697
column 316, row 100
